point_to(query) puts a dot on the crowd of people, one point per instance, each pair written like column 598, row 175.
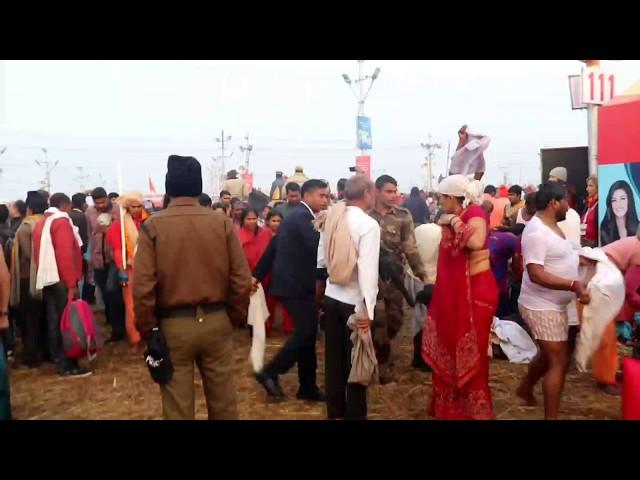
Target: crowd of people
column 178, row 280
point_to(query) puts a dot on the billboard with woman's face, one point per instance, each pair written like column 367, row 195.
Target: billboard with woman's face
column 619, row 199
column 618, row 168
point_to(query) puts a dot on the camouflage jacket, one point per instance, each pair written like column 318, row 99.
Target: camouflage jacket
column 397, row 237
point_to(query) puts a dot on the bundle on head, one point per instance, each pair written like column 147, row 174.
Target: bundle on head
column 391, row 271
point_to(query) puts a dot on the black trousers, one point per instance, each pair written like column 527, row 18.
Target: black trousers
column 114, row 308
column 344, row 400
column 88, row 293
column 300, row 348
column 55, row 301
column 30, row 324
column 8, row 335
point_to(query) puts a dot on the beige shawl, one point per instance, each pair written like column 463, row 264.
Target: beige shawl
column 339, row 251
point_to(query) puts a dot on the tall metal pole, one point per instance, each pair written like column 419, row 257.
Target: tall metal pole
column 216, row 184
column 430, row 148
column 362, row 94
column 247, row 151
column 46, row 183
column 592, row 124
column 446, row 172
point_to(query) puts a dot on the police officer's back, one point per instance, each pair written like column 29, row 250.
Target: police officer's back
column 191, row 277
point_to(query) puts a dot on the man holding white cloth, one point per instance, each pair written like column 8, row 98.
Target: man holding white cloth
column 350, row 251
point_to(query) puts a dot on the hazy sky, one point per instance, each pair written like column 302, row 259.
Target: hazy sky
column 91, row 114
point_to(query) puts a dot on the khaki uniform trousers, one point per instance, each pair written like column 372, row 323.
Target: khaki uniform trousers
column 205, row 341
column 388, row 320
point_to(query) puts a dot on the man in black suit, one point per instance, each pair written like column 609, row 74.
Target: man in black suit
column 292, row 261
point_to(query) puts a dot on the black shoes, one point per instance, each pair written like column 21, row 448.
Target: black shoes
column 76, row 372
column 270, row 384
column 273, row 388
column 311, row 396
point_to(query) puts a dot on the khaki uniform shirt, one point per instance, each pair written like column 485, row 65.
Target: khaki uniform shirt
column 188, row 255
column 397, row 236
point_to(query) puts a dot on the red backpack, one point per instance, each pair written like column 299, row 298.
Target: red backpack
column 78, row 329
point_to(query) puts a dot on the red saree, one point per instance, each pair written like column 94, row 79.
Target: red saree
column 457, row 329
column 254, row 246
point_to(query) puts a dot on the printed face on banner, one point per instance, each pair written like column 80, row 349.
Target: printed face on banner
column 619, row 196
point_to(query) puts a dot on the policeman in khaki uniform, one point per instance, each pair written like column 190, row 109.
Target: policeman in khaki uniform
column 192, row 280
column 397, row 237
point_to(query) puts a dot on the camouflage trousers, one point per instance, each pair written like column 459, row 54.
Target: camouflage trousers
column 387, row 322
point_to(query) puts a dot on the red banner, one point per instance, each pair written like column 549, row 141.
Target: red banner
column 363, row 165
column 618, row 133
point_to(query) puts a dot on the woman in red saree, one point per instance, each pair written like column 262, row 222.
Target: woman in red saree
column 255, row 241
column 465, row 298
column 274, row 219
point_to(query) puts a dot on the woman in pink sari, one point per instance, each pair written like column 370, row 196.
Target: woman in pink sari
column 465, row 298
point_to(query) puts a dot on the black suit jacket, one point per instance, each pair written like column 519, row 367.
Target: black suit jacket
column 291, row 257
column 80, row 220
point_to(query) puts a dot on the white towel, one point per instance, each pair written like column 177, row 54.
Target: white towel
column 514, row 341
column 607, row 291
column 469, row 160
column 47, row 267
column 257, row 316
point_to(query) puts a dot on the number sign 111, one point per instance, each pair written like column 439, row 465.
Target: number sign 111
column 598, row 87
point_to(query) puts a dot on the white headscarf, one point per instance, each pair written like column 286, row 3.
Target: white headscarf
column 462, row 186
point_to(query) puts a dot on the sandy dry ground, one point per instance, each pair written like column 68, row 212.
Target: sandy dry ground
column 122, row 389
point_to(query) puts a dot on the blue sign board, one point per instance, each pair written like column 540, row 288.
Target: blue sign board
column 364, row 133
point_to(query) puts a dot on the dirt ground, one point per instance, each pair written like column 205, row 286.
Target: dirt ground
column 122, row 389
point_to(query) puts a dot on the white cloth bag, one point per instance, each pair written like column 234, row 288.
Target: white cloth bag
column 257, row 317
column 607, row 291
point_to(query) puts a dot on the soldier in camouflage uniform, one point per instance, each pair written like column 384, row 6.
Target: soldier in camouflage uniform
column 397, row 237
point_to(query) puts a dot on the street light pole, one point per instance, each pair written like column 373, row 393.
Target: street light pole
column 48, row 168
column 362, row 95
column 430, row 148
column 216, row 184
column 361, row 88
column 247, row 151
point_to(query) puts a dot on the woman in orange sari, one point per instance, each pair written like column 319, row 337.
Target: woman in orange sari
column 134, row 215
column 465, row 298
column 625, row 254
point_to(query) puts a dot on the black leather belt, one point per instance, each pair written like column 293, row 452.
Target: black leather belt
column 192, row 311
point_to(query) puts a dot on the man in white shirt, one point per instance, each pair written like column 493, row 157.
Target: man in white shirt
column 570, row 226
column 349, row 401
column 548, row 287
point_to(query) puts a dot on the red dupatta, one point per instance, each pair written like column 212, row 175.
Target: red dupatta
column 254, row 245
column 450, row 343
